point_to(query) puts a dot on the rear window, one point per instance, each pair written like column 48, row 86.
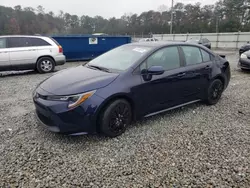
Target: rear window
column 39, row 42
column 55, row 41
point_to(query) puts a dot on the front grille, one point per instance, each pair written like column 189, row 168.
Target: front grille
column 245, row 65
column 45, row 119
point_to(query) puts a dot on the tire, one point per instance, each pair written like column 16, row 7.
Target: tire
column 115, row 118
column 214, row 92
column 45, row 65
column 245, row 70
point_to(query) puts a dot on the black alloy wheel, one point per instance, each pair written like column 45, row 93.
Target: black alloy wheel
column 215, row 91
column 115, row 118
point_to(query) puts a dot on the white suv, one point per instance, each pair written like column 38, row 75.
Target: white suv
column 30, row 52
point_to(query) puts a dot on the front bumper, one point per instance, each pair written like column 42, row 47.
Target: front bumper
column 241, row 51
column 56, row 116
column 60, row 59
column 244, row 63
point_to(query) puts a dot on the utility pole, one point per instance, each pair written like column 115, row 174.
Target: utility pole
column 172, row 16
column 217, row 24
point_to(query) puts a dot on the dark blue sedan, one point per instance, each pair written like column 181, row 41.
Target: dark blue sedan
column 130, row 82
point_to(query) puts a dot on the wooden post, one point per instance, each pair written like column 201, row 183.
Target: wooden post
column 217, row 40
column 237, row 41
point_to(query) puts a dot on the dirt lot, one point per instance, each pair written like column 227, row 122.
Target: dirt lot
column 196, row 146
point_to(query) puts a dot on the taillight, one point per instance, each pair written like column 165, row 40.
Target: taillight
column 60, row 49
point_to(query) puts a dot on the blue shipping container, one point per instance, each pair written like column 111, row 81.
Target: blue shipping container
column 86, row 47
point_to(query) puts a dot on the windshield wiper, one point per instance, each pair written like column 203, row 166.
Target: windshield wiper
column 99, row 68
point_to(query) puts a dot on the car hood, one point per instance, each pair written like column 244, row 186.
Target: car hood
column 247, row 53
column 77, row 80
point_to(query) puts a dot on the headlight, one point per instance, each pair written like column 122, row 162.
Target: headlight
column 74, row 100
column 243, row 56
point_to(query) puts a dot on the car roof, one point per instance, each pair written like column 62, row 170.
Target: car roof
column 32, row 36
column 159, row 44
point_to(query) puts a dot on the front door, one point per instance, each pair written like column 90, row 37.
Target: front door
column 4, row 55
column 22, row 53
column 159, row 92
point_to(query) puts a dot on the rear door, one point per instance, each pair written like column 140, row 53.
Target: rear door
column 43, row 47
column 198, row 70
column 4, row 55
column 22, row 53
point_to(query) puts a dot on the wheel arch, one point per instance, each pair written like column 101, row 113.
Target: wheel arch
column 221, row 78
column 108, row 101
column 43, row 57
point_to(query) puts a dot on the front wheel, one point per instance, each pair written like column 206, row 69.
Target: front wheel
column 245, row 70
column 115, row 118
column 45, row 65
column 215, row 90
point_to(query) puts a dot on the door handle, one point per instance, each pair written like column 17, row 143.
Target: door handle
column 181, row 74
column 207, row 67
column 32, row 50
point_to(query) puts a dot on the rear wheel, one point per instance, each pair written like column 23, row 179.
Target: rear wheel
column 115, row 118
column 45, row 65
column 215, row 90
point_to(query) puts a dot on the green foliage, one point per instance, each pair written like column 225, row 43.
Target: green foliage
column 224, row 16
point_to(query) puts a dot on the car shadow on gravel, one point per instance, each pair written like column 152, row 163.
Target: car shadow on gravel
column 57, row 137
column 244, row 71
column 21, row 73
column 96, row 138
column 17, row 73
column 174, row 112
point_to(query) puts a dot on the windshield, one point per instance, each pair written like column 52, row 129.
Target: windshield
column 120, row 58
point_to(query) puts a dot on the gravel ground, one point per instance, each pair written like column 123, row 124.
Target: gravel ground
column 196, row 146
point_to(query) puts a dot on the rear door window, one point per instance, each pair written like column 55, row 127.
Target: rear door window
column 2, row 43
column 205, row 56
column 38, row 42
column 18, row 42
column 192, row 55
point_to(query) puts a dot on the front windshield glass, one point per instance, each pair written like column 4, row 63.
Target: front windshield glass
column 120, row 58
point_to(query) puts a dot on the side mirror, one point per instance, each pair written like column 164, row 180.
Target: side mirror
column 156, row 70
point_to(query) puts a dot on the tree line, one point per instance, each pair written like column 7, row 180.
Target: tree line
column 223, row 16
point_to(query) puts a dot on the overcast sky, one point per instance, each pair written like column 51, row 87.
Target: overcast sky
column 105, row 8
